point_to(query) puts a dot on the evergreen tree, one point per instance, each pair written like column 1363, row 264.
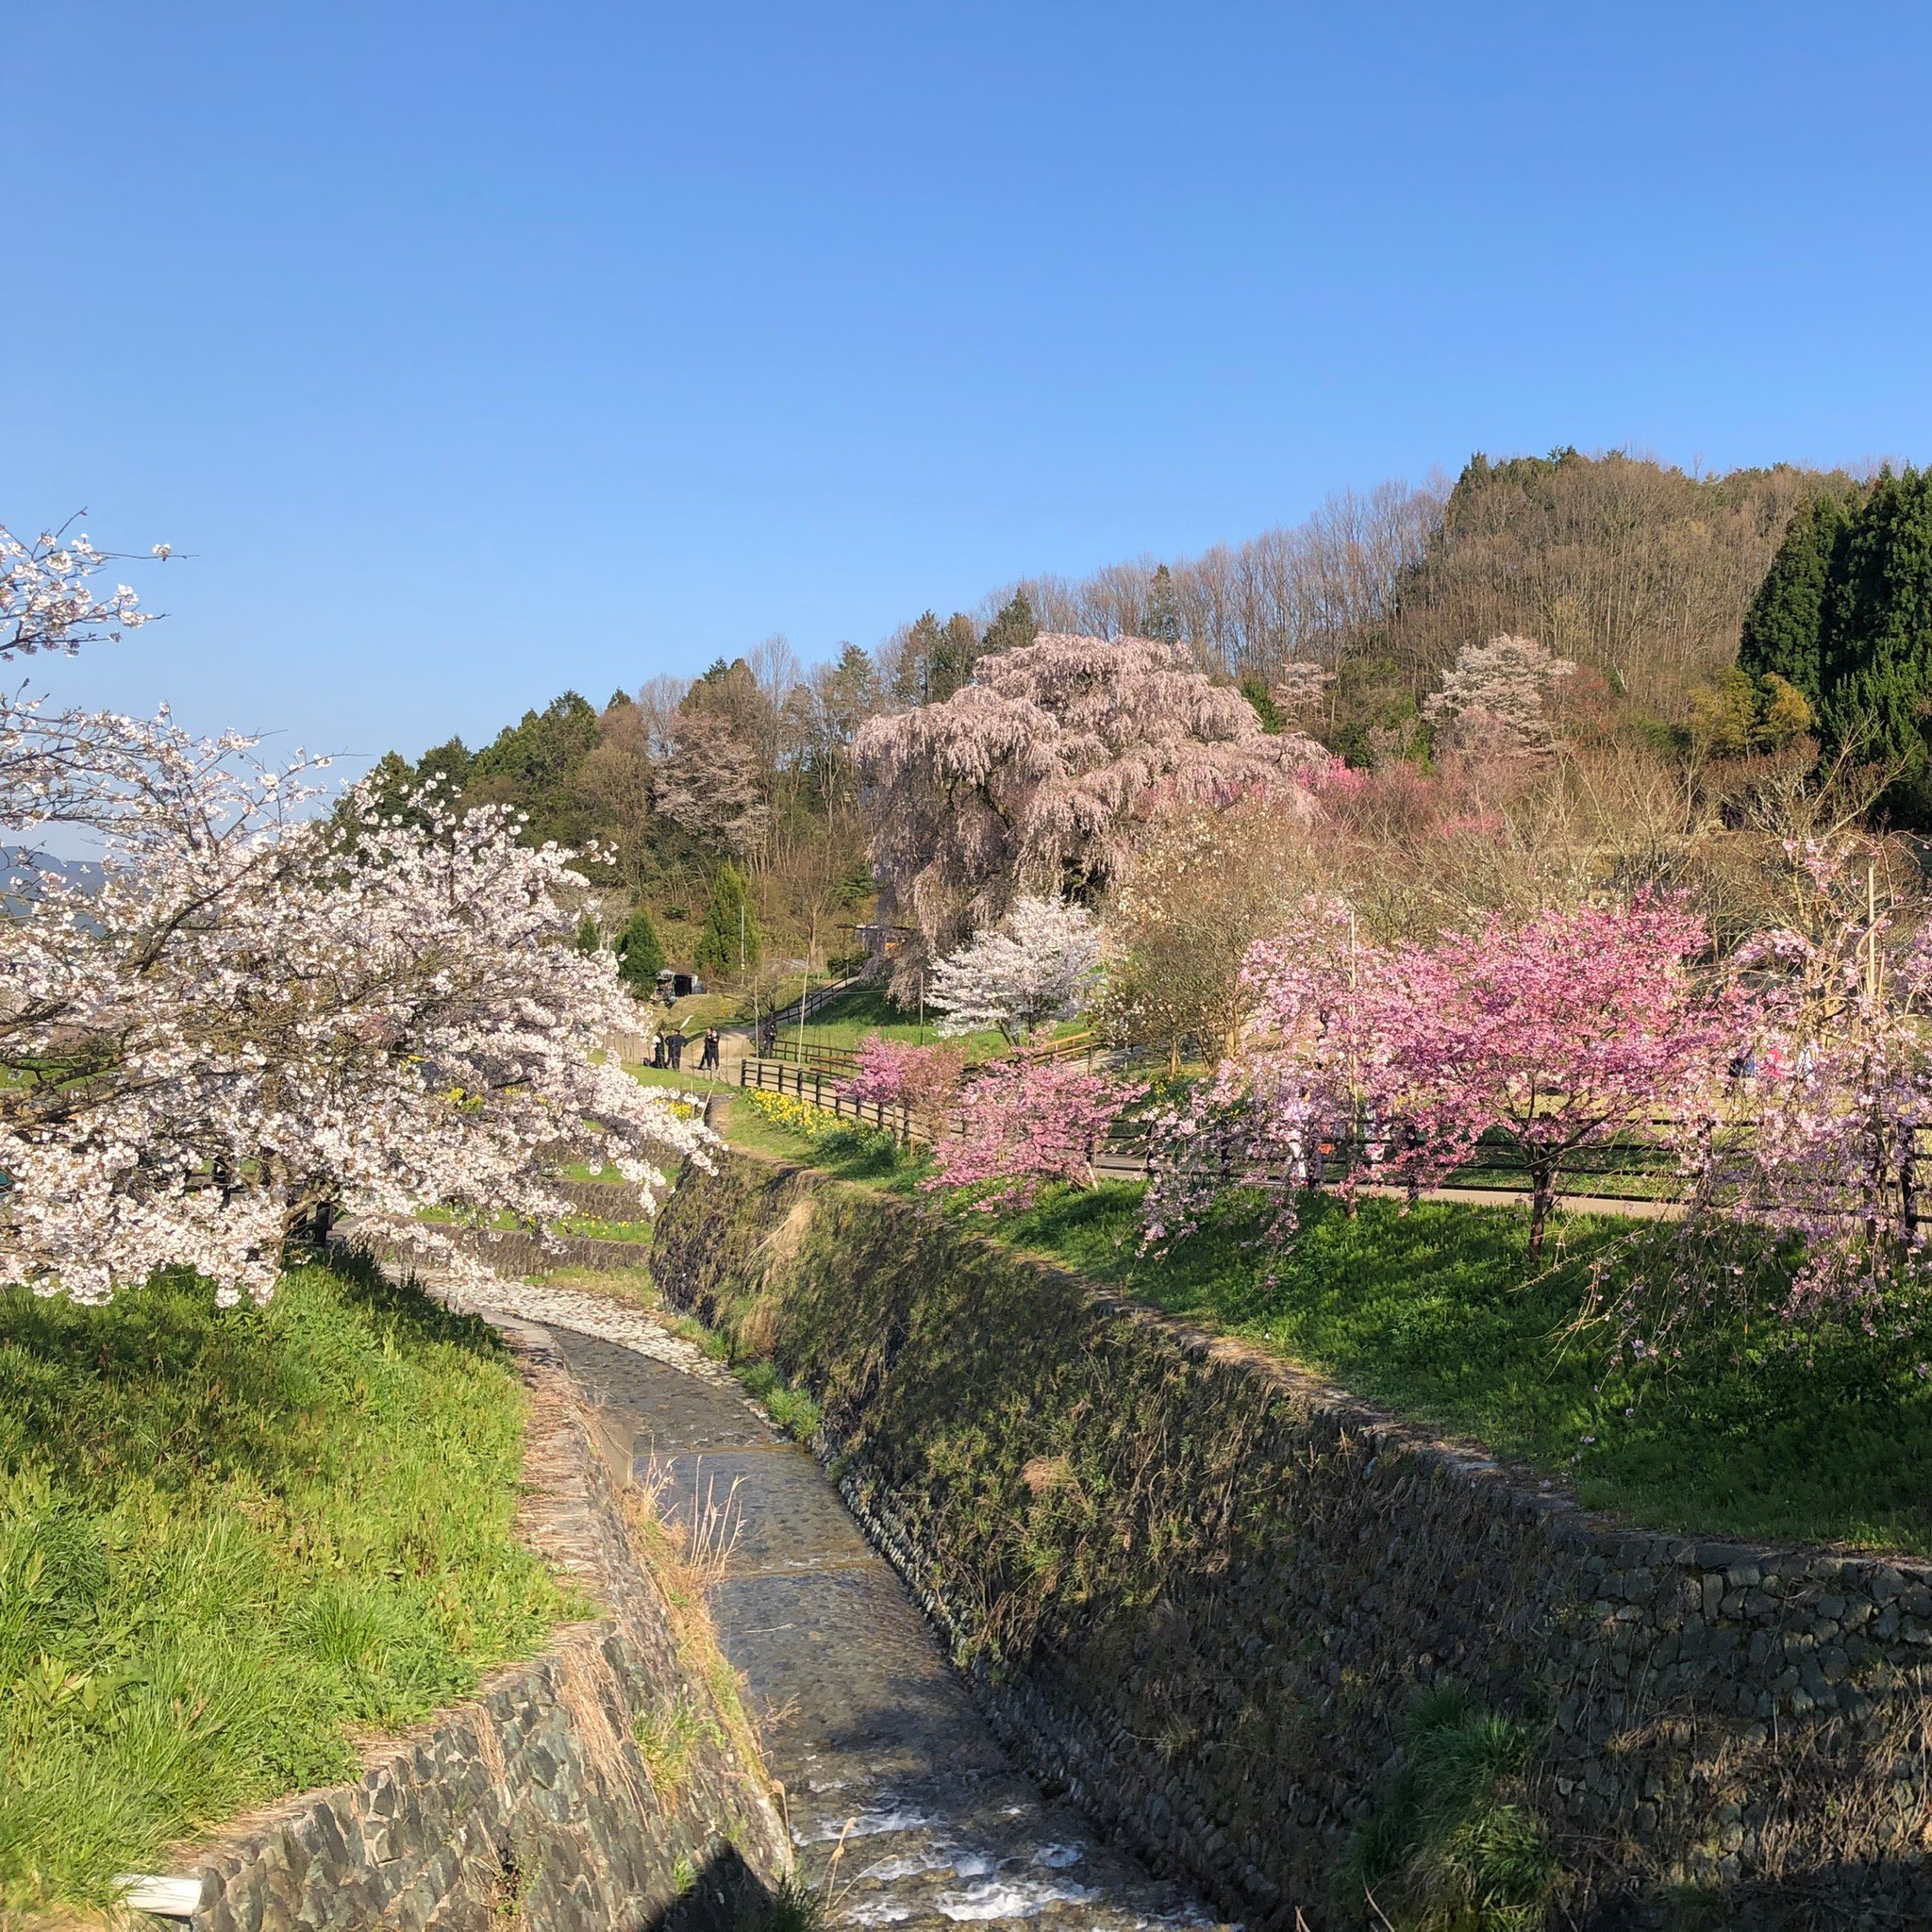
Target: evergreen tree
column 954, row 655
column 639, row 954
column 730, row 934
column 1784, row 630
column 1013, row 625
column 913, row 683
column 588, row 937
column 1876, row 658
column 1162, row 621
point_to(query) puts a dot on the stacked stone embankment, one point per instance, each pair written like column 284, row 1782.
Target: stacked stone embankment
column 531, row 1804
column 1202, row 1591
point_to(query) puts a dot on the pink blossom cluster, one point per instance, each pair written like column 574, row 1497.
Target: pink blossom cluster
column 1034, row 776
column 895, row 1072
column 1562, row 1030
column 1026, row 1123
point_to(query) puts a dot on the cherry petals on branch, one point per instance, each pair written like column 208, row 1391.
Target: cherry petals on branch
column 1024, row 1124
column 47, row 602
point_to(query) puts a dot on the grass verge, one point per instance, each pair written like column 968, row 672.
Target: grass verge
column 1753, row 1431
column 230, row 1542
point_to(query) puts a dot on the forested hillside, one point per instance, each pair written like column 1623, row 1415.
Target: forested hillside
column 1640, row 576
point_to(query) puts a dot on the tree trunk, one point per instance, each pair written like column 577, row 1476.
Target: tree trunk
column 1543, row 1197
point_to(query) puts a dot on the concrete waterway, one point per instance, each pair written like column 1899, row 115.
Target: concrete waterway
column 902, row 1806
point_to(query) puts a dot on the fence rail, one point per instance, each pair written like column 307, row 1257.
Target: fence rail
column 1636, row 1172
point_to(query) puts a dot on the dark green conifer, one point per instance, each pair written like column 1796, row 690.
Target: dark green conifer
column 1013, row 625
column 730, row 934
column 1784, row 630
column 1876, row 652
column 639, row 954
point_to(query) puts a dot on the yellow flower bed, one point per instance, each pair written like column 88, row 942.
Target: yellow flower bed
column 794, row 1115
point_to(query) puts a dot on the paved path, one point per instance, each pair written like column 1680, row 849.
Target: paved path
column 902, row 1805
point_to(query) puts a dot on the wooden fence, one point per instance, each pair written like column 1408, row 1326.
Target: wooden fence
column 1634, row 1172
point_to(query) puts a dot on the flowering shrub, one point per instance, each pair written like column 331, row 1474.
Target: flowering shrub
column 1026, row 1123
column 1562, row 1029
column 1825, row 1139
column 796, row 1116
column 922, row 1080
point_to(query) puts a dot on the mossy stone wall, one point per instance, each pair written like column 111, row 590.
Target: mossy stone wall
column 1202, row 1591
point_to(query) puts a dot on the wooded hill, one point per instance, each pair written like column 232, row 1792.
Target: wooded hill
column 1643, row 576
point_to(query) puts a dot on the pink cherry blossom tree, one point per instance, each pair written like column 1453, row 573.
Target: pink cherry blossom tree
column 1024, row 1124
column 1563, row 1031
column 923, row 1082
column 1034, row 778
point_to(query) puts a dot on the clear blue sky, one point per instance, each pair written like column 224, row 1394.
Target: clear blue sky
column 478, row 351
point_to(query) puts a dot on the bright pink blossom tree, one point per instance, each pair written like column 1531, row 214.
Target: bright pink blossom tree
column 923, row 1082
column 1565, row 1031
column 1026, row 1123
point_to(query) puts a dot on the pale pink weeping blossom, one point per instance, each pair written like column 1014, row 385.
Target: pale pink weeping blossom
column 1825, row 1135
column 1034, row 778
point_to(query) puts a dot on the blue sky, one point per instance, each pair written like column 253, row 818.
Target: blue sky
column 478, row 351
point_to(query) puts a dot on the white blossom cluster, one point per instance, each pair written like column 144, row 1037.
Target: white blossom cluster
column 1492, row 697
column 1039, row 966
column 45, row 601
column 258, row 1019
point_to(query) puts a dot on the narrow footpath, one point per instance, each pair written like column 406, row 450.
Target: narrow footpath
column 904, row 1809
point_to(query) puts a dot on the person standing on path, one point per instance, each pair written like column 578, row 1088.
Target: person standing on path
column 708, row 1058
column 675, row 1044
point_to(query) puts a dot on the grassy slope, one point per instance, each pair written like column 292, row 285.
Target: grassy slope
column 228, row 1542
column 1437, row 1315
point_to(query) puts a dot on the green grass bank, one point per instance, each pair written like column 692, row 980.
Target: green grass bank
column 1437, row 1315
column 230, row 1543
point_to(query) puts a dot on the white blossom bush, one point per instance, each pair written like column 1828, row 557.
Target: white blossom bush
column 1039, row 966
column 1493, row 698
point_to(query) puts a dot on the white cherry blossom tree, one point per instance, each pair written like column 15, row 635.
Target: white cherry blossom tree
column 1036, row 967
column 259, row 1019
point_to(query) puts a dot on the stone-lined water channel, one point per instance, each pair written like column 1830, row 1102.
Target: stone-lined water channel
column 901, row 1804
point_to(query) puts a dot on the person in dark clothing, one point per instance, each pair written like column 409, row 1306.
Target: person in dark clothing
column 708, row 1058
column 676, row 1045
column 658, row 1050
column 768, row 1039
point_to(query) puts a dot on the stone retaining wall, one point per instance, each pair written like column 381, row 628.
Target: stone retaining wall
column 530, row 1806
column 1203, row 1590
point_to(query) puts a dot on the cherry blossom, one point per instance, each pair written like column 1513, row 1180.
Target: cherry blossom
column 1492, row 698
column 261, row 1019
column 1034, row 778
column 1037, row 967
column 1026, row 1123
